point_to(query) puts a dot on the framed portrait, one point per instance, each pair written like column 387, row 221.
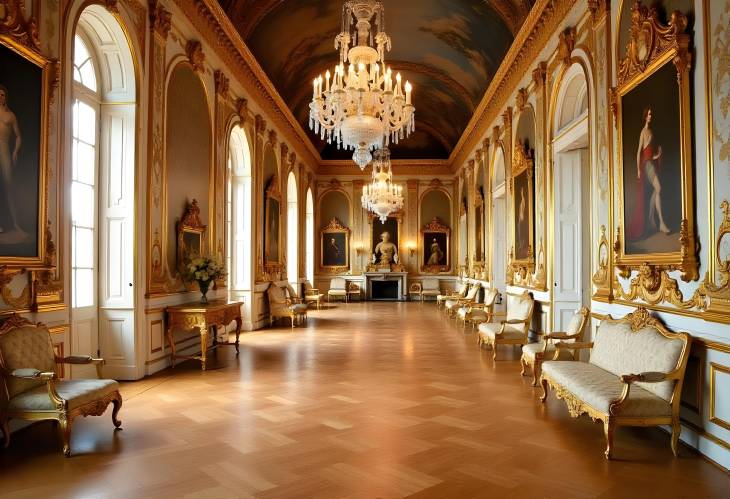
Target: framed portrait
column 190, row 236
column 435, row 247
column 335, row 247
column 384, row 232
column 652, row 113
column 272, row 219
column 25, row 85
column 523, row 204
column 479, row 225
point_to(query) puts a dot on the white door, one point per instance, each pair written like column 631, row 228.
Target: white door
column 116, row 236
column 499, row 246
column 569, row 278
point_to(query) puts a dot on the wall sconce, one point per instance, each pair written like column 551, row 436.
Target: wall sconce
column 359, row 250
column 411, row 249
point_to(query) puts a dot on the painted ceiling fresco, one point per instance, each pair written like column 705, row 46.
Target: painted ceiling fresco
column 448, row 49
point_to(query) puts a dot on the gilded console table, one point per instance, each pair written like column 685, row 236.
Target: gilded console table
column 205, row 317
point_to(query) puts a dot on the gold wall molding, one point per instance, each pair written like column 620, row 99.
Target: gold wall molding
column 14, row 24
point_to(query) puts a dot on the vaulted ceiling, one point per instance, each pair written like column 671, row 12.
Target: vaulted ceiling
column 448, row 49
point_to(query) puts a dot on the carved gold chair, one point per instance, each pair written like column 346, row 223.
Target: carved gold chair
column 31, row 389
column 476, row 313
column 312, row 295
column 452, row 305
column 280, row 306
column 338, row 288
column 415, row 290
column 353, row 290
column 298, row 304
column 460, row 292
column 513, row 330
column 533, row 354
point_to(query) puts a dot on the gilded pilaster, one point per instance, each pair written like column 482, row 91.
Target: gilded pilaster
column 412, row 217
column 360, row 238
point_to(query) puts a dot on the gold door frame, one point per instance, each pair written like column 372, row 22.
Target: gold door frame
column 651, row 46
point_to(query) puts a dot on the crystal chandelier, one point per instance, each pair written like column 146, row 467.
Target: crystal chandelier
column 360, row 107
column 382, row 196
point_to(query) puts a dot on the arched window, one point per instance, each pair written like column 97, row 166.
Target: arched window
column 310, row 236
column 101, row 152
column 238, row 212
column 292, row 233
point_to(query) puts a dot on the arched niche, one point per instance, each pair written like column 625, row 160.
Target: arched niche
column 435, row 203
column 498, row 173
column 188, row 150
column 572, row 98
column 525, row 129
column 334, row 204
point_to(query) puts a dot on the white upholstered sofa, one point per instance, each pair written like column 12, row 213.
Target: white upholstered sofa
column 633, row 378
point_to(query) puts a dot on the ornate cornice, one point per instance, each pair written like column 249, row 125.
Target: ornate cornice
column 160, row 19
column 535, row 34
column 194, row 51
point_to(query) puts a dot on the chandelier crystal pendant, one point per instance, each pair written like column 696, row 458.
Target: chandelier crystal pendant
column 382, row 196
column 361, row 106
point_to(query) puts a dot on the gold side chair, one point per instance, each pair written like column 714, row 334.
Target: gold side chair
column 453, row 305
column 533, row 354
column 476, row 313
column 460, row 292
column 513, row 330
column 31, row 389
column 312, row 295
column 282, row 307
column 415, row 290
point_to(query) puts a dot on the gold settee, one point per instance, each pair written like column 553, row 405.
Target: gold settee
column 533, row 354
column 633, row 377
column 31, row 389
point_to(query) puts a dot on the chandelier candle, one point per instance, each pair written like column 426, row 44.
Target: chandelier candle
column 362, row 109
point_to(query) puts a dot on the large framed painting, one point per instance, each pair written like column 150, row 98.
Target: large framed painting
column 653, row 111
column 272, row 230
column 479, row 226
column 335, row 247
column 190, row 236
column 384, row 240
column 25, row 86
column 522, row 187
column 435, row 247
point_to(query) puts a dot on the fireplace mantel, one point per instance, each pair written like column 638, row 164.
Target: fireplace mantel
column 400, row 277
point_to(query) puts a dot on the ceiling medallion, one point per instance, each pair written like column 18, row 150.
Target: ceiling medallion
column 360, row 107
column 382, row 196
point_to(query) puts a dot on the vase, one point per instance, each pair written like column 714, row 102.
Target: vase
column 204, row 285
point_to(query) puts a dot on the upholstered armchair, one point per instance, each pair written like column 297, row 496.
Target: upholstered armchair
column 476, row 313
column 312, row 295
column 533, row 354
column 297, row 303
column 431, row 288
column 513, row 330
column 454, row 304
column 460, row 292
column 415, row 290
column 31, row 389
column 280, row 306
column 338, row 288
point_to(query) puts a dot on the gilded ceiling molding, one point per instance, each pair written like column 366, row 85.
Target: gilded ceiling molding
column 194, row 51
column 272, row 137
column 521, row 99
column 160, row 19
column 242, row 109
column 534, row 35
column 216, row 29
column 566, row 44
column 222, row 83
column 260, row 124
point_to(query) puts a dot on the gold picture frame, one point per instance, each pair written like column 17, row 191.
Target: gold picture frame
column 479, row 243
column 272, row 229
column 334, row 255
column 20, row 49
column 437, row 233
column 658, row 234
column 522, row 194
column 190, row 236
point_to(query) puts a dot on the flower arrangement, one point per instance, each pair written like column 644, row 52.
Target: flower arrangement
column 204, row 270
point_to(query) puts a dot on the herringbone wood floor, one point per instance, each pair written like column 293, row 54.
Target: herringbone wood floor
column 369, row 400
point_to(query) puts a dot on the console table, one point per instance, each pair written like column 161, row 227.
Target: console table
column 204, row 316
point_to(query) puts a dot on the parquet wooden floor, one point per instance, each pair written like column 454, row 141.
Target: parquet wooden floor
column 369, row 400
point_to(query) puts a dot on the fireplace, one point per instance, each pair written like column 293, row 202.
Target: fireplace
column 384, row 290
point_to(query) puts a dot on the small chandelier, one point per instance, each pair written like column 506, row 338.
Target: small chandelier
column 382, row 196
column 360, row 107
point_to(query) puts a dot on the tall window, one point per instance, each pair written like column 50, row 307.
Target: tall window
column 238, row 212
column 292, row 224
column 310, row 236
column 85, row 156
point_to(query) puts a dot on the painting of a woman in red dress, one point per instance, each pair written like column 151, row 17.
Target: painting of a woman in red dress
column 648, row 215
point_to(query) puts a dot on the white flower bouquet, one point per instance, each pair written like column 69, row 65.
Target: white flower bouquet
column 204, row 270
